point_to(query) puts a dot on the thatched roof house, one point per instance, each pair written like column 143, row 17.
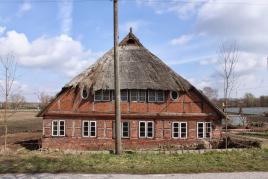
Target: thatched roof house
column 153, row 95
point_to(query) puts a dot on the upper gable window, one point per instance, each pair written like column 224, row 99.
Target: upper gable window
column 134, row 95
column 156, row 96
column 124, row 95
column 85, row 93
column 102, row 95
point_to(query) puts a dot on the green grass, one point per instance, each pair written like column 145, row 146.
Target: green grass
column 33, row 162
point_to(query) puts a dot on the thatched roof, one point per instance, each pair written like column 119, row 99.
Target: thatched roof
column 139, row 69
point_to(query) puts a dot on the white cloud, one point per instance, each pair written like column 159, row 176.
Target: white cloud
column 182, row 40
column 2, row 29
column 245, row 23
column 182, row 10
column 136, row 25
column 61, row 53
column 24, row 7
column 65, row 15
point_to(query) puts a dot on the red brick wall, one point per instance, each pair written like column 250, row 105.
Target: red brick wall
column 104, row 140
column 70, row 101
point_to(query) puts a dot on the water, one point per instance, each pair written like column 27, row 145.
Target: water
column 250, row 110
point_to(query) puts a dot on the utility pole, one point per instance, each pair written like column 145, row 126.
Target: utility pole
column 118, row 149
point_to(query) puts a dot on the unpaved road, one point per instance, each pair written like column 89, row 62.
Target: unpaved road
column 241, row 175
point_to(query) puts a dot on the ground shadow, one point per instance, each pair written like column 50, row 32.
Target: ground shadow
column 32, row 144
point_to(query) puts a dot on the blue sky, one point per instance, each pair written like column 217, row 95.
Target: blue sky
column 55, row 40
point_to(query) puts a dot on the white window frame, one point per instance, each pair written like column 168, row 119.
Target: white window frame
column 82, row 92
column 204, row 130
column 125, row 137
column 179, row 126
column 58, row 128
column 155, row 96
column 136, row 96
column 89, row 128
column 140, row 95
column 102, row 96
column 149, row 96
column 146, row 129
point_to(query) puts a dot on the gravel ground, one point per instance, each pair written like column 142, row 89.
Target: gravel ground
column 240, row 175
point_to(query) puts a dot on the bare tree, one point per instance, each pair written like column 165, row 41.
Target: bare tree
column 228, row 58
column 211, row 93
column 9, row 67
column 43, row 99
column 16, row 101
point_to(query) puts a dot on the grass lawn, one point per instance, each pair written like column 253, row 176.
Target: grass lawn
column 32, row 162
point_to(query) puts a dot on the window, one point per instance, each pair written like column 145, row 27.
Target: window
column 105, row 95
column 151, row 96
column 98, row 95
column 146, row 129
column 89, row 129
column 125, row 129
column 142, row 95
column 124, row 95
column 174, row 95
column 156, row 96
column 208, row 129
column 85, row 93
column 58, row 128
column 133, row 95
column 179, row 130
column 203, row 129
column 102, row 95
column 160, row 96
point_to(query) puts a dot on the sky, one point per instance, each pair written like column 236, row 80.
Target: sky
column 54, row 40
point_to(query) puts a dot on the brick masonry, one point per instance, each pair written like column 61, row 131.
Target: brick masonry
column 70, row 107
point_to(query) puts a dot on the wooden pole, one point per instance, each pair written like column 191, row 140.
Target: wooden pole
column 118, row 149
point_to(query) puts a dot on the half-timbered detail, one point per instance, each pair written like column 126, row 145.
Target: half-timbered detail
column 158, row 106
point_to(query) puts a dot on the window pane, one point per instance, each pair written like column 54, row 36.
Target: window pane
column 151, row 94
column 200, row 130
column 183, row 130
column 98, row 95
column 92, row 129
column 160, row 95
column 125, row 129
column 124, row 96
column 134, row 95
column 150, row 129
column 62, row 128
column 113, row 94
column 142, row 95
column 142, row 129
column 55, row 128
column 208, row 129
column 106, row 95
column 86, row 128
column 175, row 129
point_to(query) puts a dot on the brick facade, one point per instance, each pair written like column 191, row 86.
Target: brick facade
column 69, row 106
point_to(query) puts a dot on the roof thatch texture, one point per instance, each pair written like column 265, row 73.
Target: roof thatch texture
column 139, row 69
